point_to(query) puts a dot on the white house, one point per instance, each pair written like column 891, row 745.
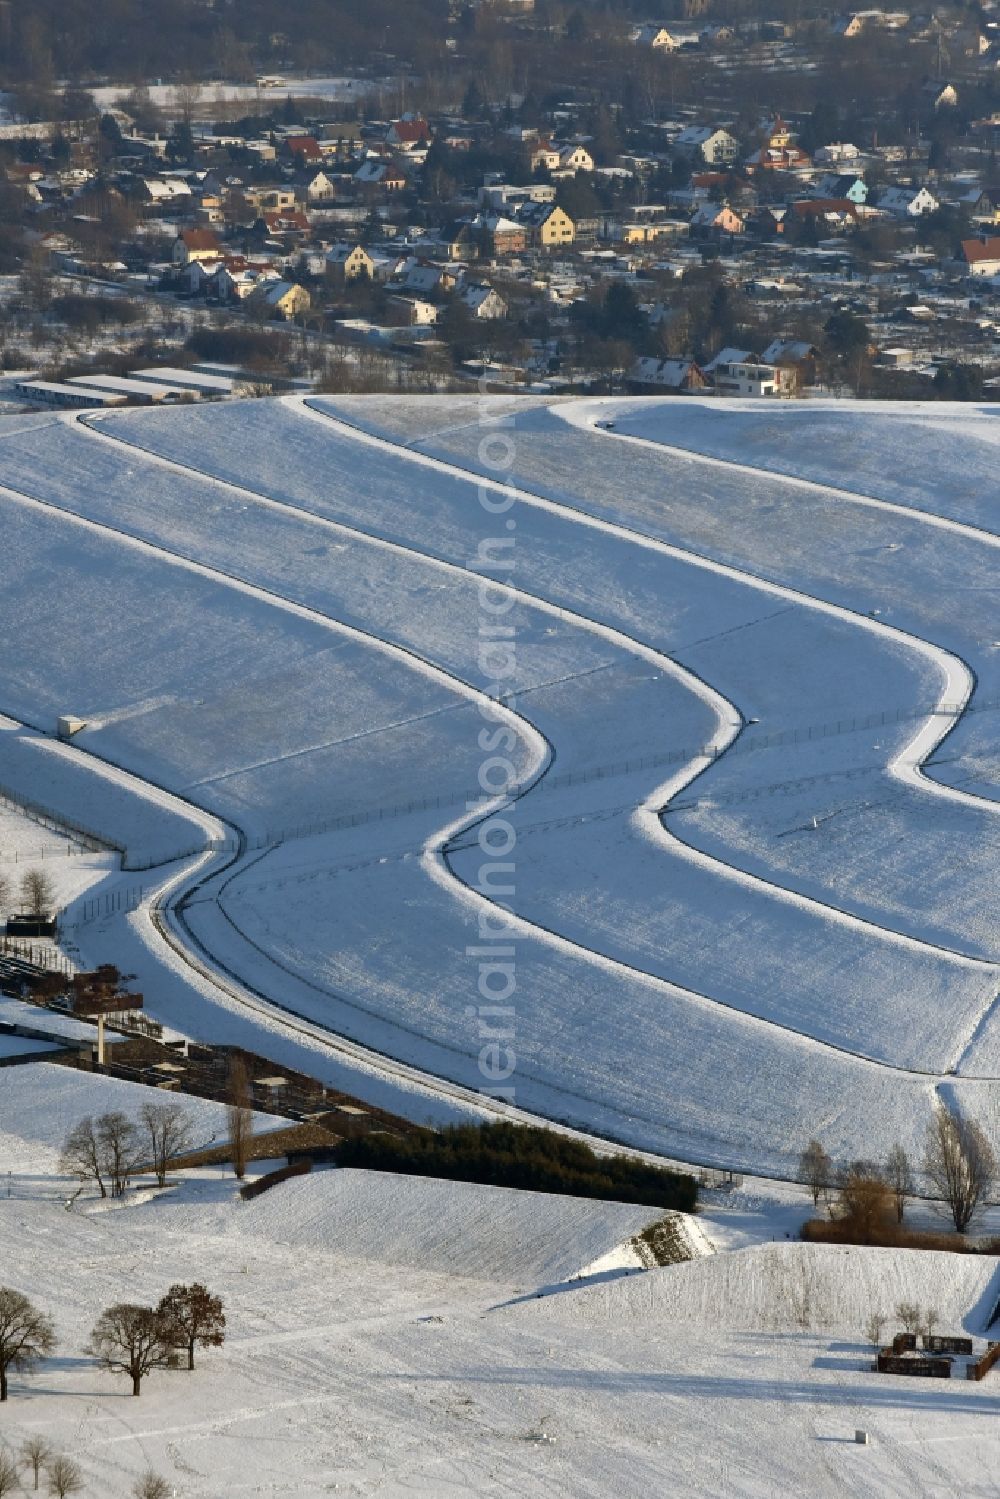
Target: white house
column 908, row 202
column 754, row 379
column 836, row 154
column 716, row 147
column 483, row 301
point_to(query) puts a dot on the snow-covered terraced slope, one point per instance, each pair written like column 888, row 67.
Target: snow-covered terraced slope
column 523, row 1239
column 783, row 662
column 898, row 451
column 860, row 555
column 767, row 1289
column 310, row 656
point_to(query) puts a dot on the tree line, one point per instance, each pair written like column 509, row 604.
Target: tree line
column 109, row 1150
column 500, row 1154
column 868, row 1198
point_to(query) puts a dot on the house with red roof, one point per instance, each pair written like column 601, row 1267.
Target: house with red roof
column 981, row 257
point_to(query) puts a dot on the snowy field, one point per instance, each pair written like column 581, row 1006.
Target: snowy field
column 384, row 1337
column 41, row 1102
column 757, row 814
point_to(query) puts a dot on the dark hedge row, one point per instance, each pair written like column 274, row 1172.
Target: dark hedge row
column 510, row 1155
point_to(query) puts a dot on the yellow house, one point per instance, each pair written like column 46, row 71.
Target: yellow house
column 550, row 226
column 285, row 299
column 349, row 263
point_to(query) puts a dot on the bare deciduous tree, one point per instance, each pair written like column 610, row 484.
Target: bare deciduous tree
column 899, row 1178
column 169, row 1132
column 26, row 1335
column 193, row 1315
column 909, row 1314
column 961, row 1165
column 874, row 1328
column 35, row 1453
column 120, row 1149
column 130, row 1340
column 9, row 1478
column 64, row 1477
column 151, row 1486
column 238, row 1115
column 37, row 895
column 931, row 1320
column 81, row 1156
column 815, row 1169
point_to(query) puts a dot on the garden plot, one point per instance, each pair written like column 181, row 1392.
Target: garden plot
column 30, row 845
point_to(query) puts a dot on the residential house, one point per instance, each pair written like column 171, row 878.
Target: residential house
column 506, row 236
column 542, row 153
column 483, row 301
column 713, row 220
column 839, row 153
column 270, row 199
column 835, row 214
column 728, row 355
column 794, row 354
column 548, row 226
column 429, row 276
column 575, row 159
column 981, row 257
column 303, row 150
column 412, row 312
column 161, row 192
column 196, row 244
column 236, row 280
column 666, row 377
column 411, row 134
column 778, row 151
column 754, row 378
column 320, row 189
column 715, row 146
column 653, row 35
column 376, row 172
column 843, row 185
column 908, row 202
column 346, row 263
column 287, row 222
column 284, row 299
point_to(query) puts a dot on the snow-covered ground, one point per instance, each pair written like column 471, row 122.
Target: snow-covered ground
column 736, row 719
column 40, row 1103
column 383, row 1338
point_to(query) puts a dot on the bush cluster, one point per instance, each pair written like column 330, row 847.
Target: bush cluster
column 532, row 1159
